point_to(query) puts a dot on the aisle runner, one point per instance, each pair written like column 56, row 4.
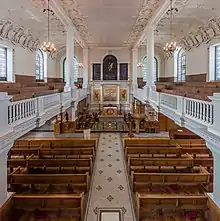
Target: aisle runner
column 109, row 186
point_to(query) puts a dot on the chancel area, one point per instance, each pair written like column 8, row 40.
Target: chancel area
column 109, row 110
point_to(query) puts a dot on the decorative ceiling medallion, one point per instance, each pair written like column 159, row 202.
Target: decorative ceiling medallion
column 73, row 11
column 143, row 17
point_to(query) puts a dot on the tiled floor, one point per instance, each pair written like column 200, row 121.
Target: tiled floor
column 109, row 185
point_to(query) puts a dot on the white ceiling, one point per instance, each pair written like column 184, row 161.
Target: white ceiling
column 109, row 23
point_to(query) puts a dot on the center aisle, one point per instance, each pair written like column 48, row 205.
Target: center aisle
column 109, row 185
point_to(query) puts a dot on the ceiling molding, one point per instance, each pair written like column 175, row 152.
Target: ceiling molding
column 161, row 11
column 145, row 14
column 67, row 22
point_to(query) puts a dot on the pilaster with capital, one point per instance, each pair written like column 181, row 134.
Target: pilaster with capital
column 134, row 67
column 85, row 67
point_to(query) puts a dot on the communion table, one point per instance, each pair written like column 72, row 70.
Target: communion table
column 111, row 122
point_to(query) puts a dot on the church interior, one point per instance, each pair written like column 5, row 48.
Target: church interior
column 109, row 110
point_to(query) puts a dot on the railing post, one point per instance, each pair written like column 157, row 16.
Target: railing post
column 215, row 195
column 213, row 112
column 4, row 116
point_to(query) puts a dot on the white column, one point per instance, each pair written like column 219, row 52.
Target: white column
column 150, row 59
column 85, row 67
column 4, row 194
column 215, row 195
column 118, row 74
column 118, row 94
column 69, row 59
column 134, row 68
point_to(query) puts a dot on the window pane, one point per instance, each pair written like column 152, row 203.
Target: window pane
column 181, row 65
column 75, row 69
column 3, row 64
column 39, row 65
column 217, row 62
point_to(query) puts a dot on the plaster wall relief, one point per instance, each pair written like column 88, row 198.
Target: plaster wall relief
column 17, row 35
column 202, row 35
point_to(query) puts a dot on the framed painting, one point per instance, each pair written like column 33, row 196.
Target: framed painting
column 110, row 93
column 96, row 95
column 123, row 71
column 96, row 70
column 123, row 94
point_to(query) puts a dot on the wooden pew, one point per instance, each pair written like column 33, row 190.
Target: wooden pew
column 82, row 165
column 51, row 203
column 142, row 151
column 147, row 202
column 55, row 143
column 145, row 142
column 144, row 163
column 141, row 180
column 53, row 153
column 80, row 182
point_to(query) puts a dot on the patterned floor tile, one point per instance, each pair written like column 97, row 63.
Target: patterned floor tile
column 109, row 179
column 110, row 198
column 99, row 188
column 120, row 187
column 110, row 165
column 100, row 171
column 119, row 171
column 109, row 155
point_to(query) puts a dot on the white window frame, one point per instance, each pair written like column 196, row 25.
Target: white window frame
column 40, row 64
column 3, row 63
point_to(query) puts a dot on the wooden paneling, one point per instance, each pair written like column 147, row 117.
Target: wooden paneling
column 24, row 78
column 196, row 78
column 166, row 124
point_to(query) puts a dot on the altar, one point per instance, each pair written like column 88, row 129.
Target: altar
column 111, row 122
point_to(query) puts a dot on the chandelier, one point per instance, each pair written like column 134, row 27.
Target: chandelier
column 170, row 46
column 48, row 46
column 80, row 65
column 140, row 65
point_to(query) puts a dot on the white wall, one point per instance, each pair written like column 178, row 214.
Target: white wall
column 197, row 60
column 23, row 61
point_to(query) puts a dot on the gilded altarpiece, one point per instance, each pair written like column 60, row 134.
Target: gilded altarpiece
column 110, row 93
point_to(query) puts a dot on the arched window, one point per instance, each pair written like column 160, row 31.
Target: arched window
column 75, row 69
column 39, row 65
column 217, row 62
column 144, row 69
column 181, row 65
column 3, row 64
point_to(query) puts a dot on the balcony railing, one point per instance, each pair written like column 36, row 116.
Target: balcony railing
column 183, row 108
column 20, row 111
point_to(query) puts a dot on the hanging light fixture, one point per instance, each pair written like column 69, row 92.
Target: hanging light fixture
column 48, row 46
column 140, row 64
column 80, row 65
column 171, row 46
